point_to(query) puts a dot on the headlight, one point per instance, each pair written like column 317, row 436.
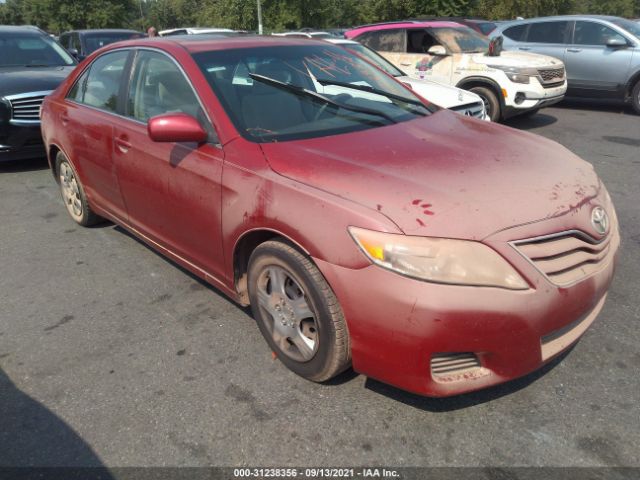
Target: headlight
column 439, row 260
column 517, row 74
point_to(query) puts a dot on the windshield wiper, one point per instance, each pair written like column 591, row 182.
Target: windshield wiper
column 367, row 88
column 304, row 92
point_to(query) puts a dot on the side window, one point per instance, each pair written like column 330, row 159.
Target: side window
column 158, row 86
column 77, row 91
column 592, row 33
column 103, row 81
column 548, row 32
column 516, row 33
column 419, row 41
column 75, row 42
column 64, row 41
column 384, row 40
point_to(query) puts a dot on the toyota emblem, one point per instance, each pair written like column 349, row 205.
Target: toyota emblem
column 600, row 220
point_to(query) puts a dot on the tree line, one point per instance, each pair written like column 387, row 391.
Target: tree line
column 278, row 15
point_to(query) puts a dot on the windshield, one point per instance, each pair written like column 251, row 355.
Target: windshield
column 285, row 93
column 31, row 50
column 94, row 41
column 460, row 39
column 631, row 27
column 371, row 56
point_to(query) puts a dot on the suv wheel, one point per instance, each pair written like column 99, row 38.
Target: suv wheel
column 491, row 102
column 635, row 97
column 297, row 312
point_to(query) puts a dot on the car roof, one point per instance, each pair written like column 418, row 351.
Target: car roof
column 404, row 24
column 102, row 30
column 22, row 28
column 556, row 18
column 207, row 42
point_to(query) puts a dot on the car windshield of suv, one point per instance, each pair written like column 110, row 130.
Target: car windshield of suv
column 292, row 92
column 630, row 26
column 94, row 41
column 31, row 50
column 460, row 39
column 378, row 60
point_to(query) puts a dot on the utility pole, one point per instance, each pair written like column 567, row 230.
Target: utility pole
column 259, row 18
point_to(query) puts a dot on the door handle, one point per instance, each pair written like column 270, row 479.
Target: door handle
column 574, row 50
column 122, row 144
column 64, row 118
column 524, row 48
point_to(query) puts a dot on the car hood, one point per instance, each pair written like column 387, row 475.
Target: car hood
column 445, row 175
column 442, row 95
column 518, row 59
column 14, row 80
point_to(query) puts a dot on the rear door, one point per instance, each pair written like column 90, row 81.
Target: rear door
column 172, row 190
column 593, row 68
column 547, row 38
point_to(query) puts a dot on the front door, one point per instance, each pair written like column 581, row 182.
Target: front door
column 172, row 190
column 594, row 67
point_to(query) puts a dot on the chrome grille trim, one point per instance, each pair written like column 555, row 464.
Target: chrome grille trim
column 569, row 257
column 551, row 77
column 25, row 107
column 475, row 109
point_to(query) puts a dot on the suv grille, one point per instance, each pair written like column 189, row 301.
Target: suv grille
column 570, row 257
column 469, row 109
column 552, row 77
column 25, row 107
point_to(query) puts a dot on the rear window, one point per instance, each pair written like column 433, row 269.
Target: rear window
column 516, row 33
column 384, row 40
column 548, row 32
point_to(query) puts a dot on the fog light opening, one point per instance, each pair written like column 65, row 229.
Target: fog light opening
column 519, row 98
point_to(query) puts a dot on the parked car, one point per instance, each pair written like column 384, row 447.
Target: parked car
column 193, row 31
column 32, row 65
column 455, row 99
column 316, row 35
column 81, row 43
column 510, row 84
column 601, row 54
column 429, row 250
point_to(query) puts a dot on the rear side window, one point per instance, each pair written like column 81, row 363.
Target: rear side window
column 516, row 33
column 158, row 86
column 592, row 33
column 384, row 40
column 100, row 86
column 548, row 32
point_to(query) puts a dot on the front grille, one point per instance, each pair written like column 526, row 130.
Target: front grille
column 552, row 77
column 25, row 107
column 446, row 364
column 570, row 257
column 470, row 109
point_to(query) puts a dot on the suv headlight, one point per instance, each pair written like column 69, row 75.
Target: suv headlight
column 440, row 260
column 517, row 74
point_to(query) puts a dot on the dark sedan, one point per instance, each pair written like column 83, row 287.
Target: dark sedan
column 32, row 65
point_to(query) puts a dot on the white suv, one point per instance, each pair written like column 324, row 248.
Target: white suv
column 510, row 83
column 452, row 98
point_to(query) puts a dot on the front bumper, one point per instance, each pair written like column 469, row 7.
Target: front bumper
column 532, row 96
column 20, row 142
column 398, row 325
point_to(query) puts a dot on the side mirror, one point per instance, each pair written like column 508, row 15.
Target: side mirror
column 74, row 52
column 176, row 127
column 617, row 43
column 437, row 50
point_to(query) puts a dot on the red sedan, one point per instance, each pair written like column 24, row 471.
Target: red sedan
column 365, row 227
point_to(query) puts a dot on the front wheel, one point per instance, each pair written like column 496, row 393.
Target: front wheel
column 297, row 312
column 490, row 100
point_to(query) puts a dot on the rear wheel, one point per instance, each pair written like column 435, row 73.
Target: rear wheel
column 297, row 312
column 490, row 100
column 635, row 97
column 73, row 194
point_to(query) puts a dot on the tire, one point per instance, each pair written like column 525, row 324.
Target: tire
column 297, row 312
column 635, row 97
column 73, row 194
column 491, row 102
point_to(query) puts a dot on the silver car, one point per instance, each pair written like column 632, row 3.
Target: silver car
column 601, row 54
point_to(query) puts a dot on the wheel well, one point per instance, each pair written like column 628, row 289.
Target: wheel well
column 244, row 248
column 53, row 152
column 632, row 83
column 479, row 82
